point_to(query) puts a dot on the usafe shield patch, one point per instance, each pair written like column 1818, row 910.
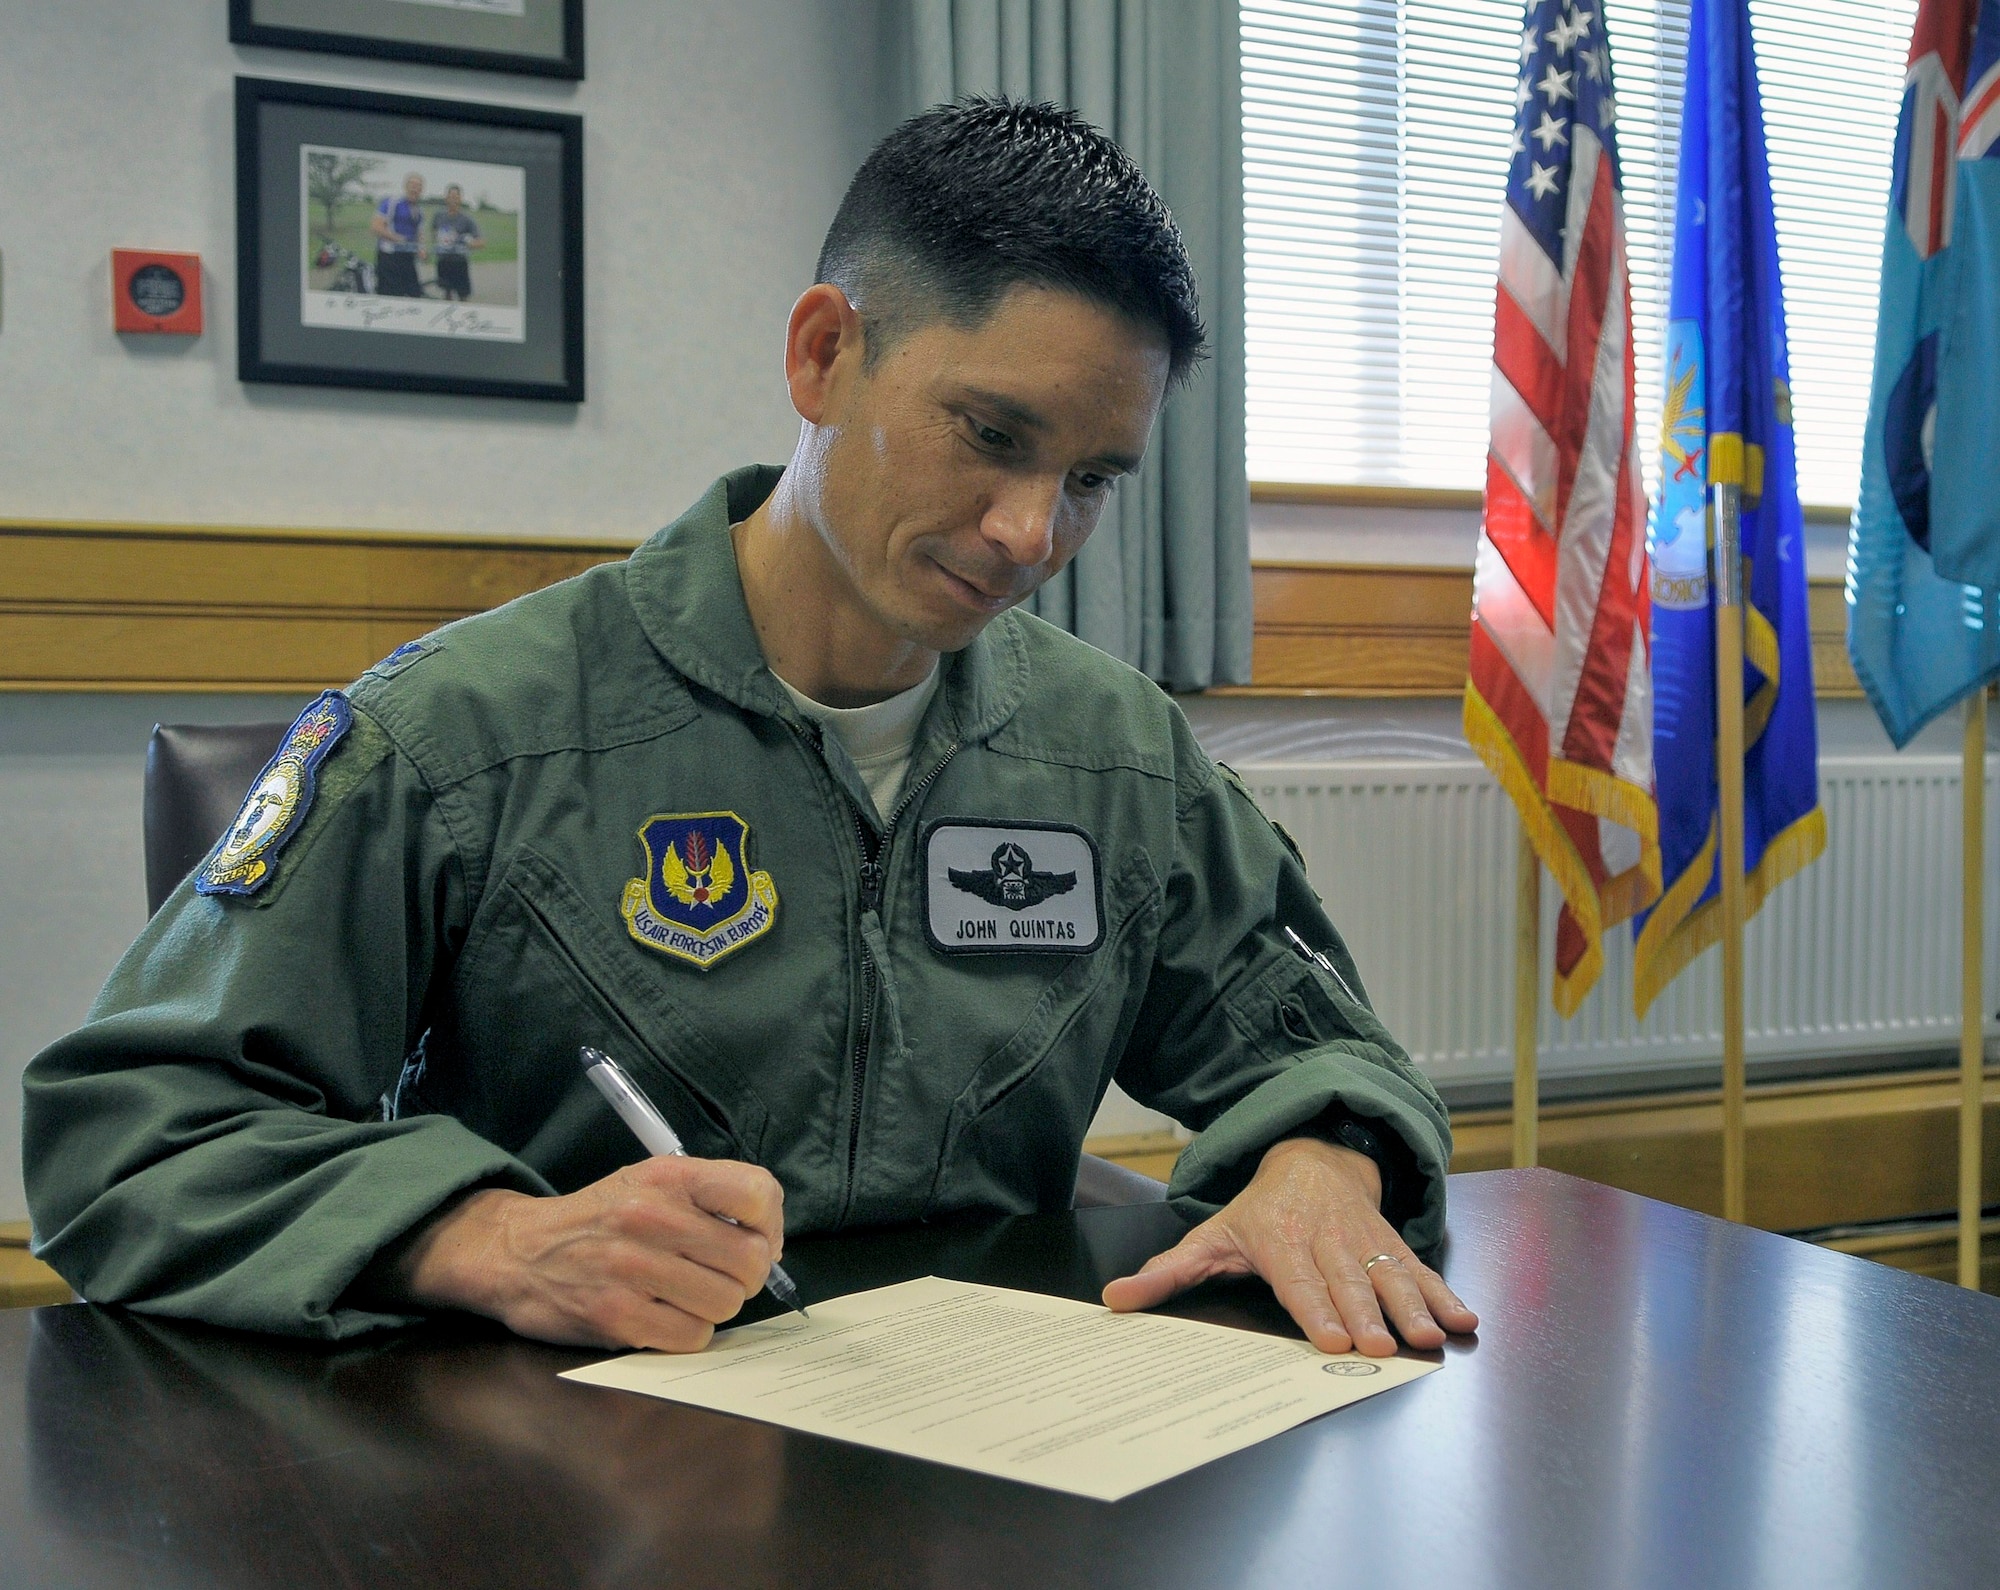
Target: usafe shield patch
column 1019, row 888
column 699, row 900
column 277, row 804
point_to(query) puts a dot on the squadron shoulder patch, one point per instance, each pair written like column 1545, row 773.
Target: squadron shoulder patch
column 277, row 803
column 698, row 900
column 1011, row 888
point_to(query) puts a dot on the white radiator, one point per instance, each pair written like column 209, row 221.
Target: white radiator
column 1857, row 954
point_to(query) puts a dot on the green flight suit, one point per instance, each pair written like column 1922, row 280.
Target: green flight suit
column 274, row 1087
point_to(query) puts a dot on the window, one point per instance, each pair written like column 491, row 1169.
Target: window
column 1375, row 140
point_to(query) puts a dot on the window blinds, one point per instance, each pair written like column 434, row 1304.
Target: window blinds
column 1375, row 147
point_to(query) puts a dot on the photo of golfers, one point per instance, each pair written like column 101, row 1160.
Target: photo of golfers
column 409, row 244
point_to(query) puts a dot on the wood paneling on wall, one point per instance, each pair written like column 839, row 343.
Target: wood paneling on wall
column 1836, row 1152
column 1341, row 630
column 1359, row 631
column 126, row 607
column 137, row 607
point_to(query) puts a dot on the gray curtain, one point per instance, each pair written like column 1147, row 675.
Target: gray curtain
column 1165, row 581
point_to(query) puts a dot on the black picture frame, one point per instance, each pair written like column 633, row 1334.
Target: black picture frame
column 294, row 332
column 481, row 47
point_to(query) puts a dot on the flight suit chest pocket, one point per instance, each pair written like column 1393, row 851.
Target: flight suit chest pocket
column 1045, row 1051
column 539, row 977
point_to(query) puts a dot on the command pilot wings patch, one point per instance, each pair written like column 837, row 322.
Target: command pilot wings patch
column 698, row 900
column 1027, row 888
column 277, row 804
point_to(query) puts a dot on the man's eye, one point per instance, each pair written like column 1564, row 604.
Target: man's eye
column 1089, row 482
column 999, row 441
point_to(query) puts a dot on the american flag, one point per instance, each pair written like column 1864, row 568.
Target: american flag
column 1559, row 700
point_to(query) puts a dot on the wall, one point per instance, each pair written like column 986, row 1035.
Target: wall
column 718, row 139
column 72, row 864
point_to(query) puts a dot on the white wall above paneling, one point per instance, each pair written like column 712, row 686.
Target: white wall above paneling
column 718, row 140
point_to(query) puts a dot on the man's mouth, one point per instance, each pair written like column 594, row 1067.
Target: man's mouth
column 976, row 595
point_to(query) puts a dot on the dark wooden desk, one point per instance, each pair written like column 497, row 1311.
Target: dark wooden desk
column 1656, row 1398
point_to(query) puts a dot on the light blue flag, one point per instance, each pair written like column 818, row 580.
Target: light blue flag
column 1728, row 421
column 1927, row 521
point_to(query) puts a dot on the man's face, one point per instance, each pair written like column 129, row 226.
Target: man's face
column 452, row 199
column 413, row 187
column 968, row 467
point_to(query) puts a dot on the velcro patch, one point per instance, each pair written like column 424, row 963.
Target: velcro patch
column 277, row 804
column 1022, row 888
column 399, row 659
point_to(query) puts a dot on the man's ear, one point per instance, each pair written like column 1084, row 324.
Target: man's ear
column 823, row 350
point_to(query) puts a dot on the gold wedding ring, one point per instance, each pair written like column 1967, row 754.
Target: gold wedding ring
column 1380, row 1258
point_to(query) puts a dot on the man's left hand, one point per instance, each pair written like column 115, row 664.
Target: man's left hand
column 1309, row 1221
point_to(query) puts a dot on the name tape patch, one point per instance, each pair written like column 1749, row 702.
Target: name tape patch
column 1020, row 888
column 277, row 804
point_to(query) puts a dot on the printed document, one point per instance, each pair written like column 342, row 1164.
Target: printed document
column 1040, row 1389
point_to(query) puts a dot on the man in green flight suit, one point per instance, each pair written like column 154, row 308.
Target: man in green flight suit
column 872, row 883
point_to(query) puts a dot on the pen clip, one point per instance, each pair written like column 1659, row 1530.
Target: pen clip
column 1314, row 958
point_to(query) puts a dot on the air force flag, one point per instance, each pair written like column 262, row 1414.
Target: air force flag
column 1923, row 563
column 1728, row 421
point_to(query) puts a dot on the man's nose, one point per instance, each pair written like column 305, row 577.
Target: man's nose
column 1021, row 520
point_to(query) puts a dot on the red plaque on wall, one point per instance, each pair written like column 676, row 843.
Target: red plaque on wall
column 151, row 291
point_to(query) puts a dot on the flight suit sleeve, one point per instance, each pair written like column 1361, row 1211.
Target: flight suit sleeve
column 1244, row 1039
column 212, row 1142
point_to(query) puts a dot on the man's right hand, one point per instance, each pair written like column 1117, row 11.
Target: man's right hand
column 643, row 1258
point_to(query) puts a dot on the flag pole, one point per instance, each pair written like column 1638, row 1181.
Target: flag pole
column 1527, row 996
column 1972, row 1001
column 1729, row 777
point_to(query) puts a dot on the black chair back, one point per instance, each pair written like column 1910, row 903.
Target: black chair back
column 196, row 777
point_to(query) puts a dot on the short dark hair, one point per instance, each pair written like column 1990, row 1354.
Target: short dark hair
column 966, row 200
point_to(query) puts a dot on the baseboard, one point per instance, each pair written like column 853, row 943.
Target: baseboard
column 1825, row 1153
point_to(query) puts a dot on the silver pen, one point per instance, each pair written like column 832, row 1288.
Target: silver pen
column 1308, row 953
column 657, row 1137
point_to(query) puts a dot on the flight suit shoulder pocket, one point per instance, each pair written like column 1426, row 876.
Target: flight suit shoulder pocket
column 1292, row 1007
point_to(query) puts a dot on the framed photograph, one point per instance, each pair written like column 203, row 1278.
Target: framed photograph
column 421, row 245
column 540, row 36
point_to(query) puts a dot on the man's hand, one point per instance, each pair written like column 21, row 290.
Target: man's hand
column 1308, row 1222
column 643, row 1258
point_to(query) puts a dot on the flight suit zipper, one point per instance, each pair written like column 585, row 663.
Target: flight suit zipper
column 874, row 850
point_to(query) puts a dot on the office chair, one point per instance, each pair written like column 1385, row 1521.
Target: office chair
column 196, row 777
